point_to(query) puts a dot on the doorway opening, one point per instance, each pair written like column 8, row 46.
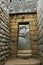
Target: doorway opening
column 24, row 44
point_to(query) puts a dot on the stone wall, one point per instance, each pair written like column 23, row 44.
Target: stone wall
column 40, row 29
column 4, row 34
column 15, row 20
column 22, row 6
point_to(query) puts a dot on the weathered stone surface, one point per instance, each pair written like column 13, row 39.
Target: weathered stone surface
column 33, row 28
column 34, row 38
column 23, row 6
column 18, row 61
column 14, row 30
column 41, row 48
column 33, row 33
column 40, row 29
column 34, row 52
column 34, row 42
column 34, row 46
column 31, row 19
column 33, row 23
column 4, row 33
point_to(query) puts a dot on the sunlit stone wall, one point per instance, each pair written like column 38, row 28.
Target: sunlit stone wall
column 32, row 19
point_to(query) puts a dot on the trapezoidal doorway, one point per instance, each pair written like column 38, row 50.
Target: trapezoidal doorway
column 24, row 44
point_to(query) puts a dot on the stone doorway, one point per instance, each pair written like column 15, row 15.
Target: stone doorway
column 24, row 44
column 24, row 37
column 23, row 18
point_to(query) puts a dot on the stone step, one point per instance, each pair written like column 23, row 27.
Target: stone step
column 24, row 53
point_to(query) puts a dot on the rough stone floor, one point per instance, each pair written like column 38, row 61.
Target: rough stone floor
column 18, row 61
